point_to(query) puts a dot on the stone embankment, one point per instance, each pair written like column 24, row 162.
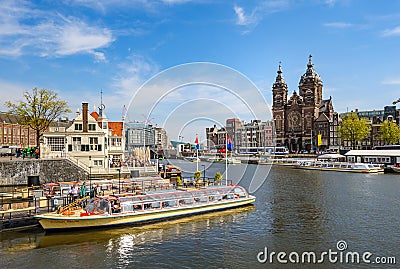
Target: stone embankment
column 16, row 171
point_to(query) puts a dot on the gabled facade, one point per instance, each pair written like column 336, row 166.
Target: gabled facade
column 91, row 141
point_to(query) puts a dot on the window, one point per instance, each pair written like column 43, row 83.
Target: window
column 116, row 142
column 78, row 126
column 278, row 99
column 56, row 143
column 76, row 143
column 93, row 142
column 92, row 127
column 98, row 162
column 84, row 147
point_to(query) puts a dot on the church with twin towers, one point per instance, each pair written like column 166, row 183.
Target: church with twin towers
column 304, row 121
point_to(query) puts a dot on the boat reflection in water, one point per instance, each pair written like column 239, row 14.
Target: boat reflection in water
column 148, row 233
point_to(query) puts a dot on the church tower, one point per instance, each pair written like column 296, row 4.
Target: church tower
column 310, row 88
column 279, row 95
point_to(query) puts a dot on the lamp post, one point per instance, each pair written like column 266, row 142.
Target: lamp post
column 90, row 173
column 204, row 172
column 119, row 180
column 90, row 178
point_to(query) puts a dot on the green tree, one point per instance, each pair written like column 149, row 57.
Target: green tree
column 390, row 132
column 353, row 129
column 197, row 175
column 38, row 110
column 218, row 178
column 178, row 181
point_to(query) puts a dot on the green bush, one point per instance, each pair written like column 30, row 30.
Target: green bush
column 218, row 178
column 178, row 181
column 197, row 175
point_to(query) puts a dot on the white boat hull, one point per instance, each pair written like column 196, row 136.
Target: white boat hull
column 53, row 221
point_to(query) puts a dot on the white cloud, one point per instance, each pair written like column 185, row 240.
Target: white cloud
column 172, row 2
column 241, row 19
column 392, row 32
column 76, row 37
column 391, row 82
column 24, row 30
column 338, row 24
column 10, row 91
column 249, row 20
column 330, row 3
column 132, row 74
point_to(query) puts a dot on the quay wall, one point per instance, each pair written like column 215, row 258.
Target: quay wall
column 16, row 172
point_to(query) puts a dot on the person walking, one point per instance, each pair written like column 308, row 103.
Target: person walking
column 82, row 192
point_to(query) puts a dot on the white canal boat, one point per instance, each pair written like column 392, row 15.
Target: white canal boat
column 339, row 166
column 135, row 210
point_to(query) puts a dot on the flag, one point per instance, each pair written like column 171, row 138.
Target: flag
column 197, row 143
column 229, row 143
column 319, row 139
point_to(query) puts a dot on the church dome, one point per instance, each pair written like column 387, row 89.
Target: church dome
column 310, row 75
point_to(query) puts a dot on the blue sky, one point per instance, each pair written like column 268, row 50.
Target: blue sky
column 79, row 47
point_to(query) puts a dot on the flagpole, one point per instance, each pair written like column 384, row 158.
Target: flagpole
column 226, row 159
column 197, row 153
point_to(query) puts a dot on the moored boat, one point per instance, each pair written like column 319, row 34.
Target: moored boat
column 193, row 159
column 396, row 169
column 127, row 209
column 231, row 160
column 339, row 166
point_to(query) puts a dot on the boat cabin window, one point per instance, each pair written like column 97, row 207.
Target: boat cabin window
column 169, row 203
column 239, row 192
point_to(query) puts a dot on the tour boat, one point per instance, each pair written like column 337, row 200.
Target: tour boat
column 231, row 160
column 214, row 159
column 128, row 209
column 396, row 169
column 193, row 159
column 339, row 166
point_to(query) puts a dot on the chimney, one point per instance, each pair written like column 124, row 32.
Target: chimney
column 85, row 116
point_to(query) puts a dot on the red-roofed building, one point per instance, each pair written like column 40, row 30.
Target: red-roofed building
column 91, row 141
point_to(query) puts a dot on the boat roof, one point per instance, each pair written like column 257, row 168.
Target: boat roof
column 179, row 193
column 331, row 156
column 374, row 152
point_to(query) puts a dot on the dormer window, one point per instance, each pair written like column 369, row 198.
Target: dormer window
column 92, row 127
column 78, row 126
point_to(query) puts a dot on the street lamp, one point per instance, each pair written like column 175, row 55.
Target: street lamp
column 90, row 179
column 204, row 173
column 90, row 172
column 119, row 180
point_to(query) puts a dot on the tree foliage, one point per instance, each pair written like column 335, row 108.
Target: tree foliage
column 197, row 175
column 390, row 132
column 218, row 176
column 354, row 129
column 38, row 109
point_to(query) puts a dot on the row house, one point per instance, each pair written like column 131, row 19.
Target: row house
column 246, row 137
column 13, row 134
column 216, row 138
column 375, row 118
column 255, row 136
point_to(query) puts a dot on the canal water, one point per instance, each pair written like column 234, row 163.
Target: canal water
column 296, row 211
